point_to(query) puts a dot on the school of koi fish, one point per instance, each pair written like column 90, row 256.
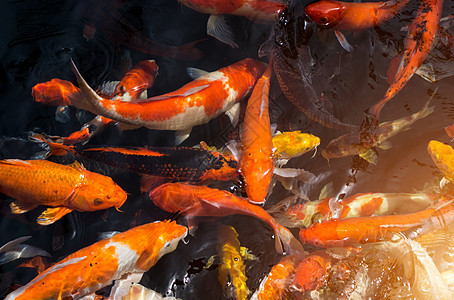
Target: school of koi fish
column 352, row 224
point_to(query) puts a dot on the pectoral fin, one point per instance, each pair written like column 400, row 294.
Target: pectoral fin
column 20, row 207
column 52, row 215
column 210, row 262
column 246, row 254
column 182, row 135
column 195, row 73
column 121, row 288
column 370, row 155
column 234, row 114
column 218, row 28
column 343, row 41
column 385, row 145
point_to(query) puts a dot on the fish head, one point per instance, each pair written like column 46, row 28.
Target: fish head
column 251, row 66
column 325, row 13
column 170, row 235
column 98, row 192
column 311, row 273
column 312, row 235
column 344, row 145
column 443, row 157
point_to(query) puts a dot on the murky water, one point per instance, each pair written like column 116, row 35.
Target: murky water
column 39, row 37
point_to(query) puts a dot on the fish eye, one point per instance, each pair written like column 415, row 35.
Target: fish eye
column 316, row 218
column 236, row 258
column 324, row 19
column 167, row 245
column 98, row 201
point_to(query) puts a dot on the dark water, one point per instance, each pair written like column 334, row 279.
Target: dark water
column 39, row 37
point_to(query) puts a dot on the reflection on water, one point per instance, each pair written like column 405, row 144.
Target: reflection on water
column 106, row 38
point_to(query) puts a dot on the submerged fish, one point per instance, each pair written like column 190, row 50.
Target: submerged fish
column 355, row 143
column 255, row 10
column 256, row 162
column 54, row 92
column 419, row 40
column 195, row 103
column 64, row 187
column 174, row 163
column 292, row 144
column 443, row 157
column 198, row 201
column 122, row 258
column 312, row 272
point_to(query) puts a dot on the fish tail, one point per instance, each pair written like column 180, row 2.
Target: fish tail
column 427, row 110
column 57, row 149
column 285, row 237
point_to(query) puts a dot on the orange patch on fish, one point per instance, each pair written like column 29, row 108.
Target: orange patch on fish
column 369, row 208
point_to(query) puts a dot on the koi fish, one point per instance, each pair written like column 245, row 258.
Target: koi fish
column 292, row 214
column 174, row 163
column 193, row 104
column 232, row 266
column 450, row 131
column 352, row 16
column 15, row 249
column 88, row 130
column 255, row 10
column 419, row 40
column 346, row 232
column 54, row 92
column 312, row 272
column 292, row 144
column 442, row 155
column 354, row 143
column 123, row 259
column 64, row 187
column 198, row 201
column 256, row 162
column 276, row 284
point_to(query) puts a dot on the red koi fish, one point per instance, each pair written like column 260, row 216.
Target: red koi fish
column 64, row 187
column 292, row 214
column 256, row 162
column 88, row 130
column 173, row 163
column 312, row 272
column 193, row 104
column 353, row 16
column 276, row 284
column 346, row 232
column 255, row 10
column 54, row 92
column 199, row 201
column 419, row 40
column 122, row 258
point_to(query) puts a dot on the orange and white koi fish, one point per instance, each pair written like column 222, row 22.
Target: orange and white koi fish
column 15, row 249
column 443, row 157
column 292, row 214
column 355, row 144
column 64, row 187
column 195, row 103
column 346, row 232
column 419, row 40
column 198, row 201
column 292, row 144
column 255, row 10
column 256, row 163
column 276, row 284
column 122, row 258
column 312, row 272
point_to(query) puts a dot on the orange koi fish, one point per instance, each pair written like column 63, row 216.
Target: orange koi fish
column 450, row 131
column 419, row 40
column 54, row 92
column 292, row 214
column 122, row 258
column 312, row 272
column 89, row 129
column 354, row 143
column 64, row 187
column 256, row 163
column 276, row 284
column 255, row 10
column 346, row 232
column 193, row 104
column 198, row 201
column 442, row 155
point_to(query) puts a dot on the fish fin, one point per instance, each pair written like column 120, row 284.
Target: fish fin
column 62, row 114
column 107, row 235
column 246, row 254
column 54, row 148
column 234, row 148
column 124, row 126
column 210, row 204
column 370, row 155
column 20, row 207
column 143, row 95
column 52, row 215
column 77, row 165
column 122, row 286
column 284, row 236
column 234, row 114
column 327, row 191
column 343, row 41
column 210, row 262
column 385, row 145
column 294, row 174
column 14, row 250
column 187, row 93
column 218, row 28
column 182, row 135
column 443, row 182
column 108, row 88
column 195, row 73
column 11, row 244
column 86, row 98
column 149, row 182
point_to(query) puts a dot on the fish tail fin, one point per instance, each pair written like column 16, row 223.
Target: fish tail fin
column 15, row 249
column 279, row 212
column 426, row 109
column 57, row 149
column 285, row 237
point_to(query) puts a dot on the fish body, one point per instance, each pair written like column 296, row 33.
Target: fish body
column 419, row 41
column 232, row 263
column 174, row 163
column 346, row 232
column 353, row 16
column 124, row 256
column 443, row 157
column 54, row 92
column 199, row 201
column 64, row 187
column 256, row 162
column 361, row 143
column 193, row 104
column 276, row 284
column 312, row 272
column 292, row 144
